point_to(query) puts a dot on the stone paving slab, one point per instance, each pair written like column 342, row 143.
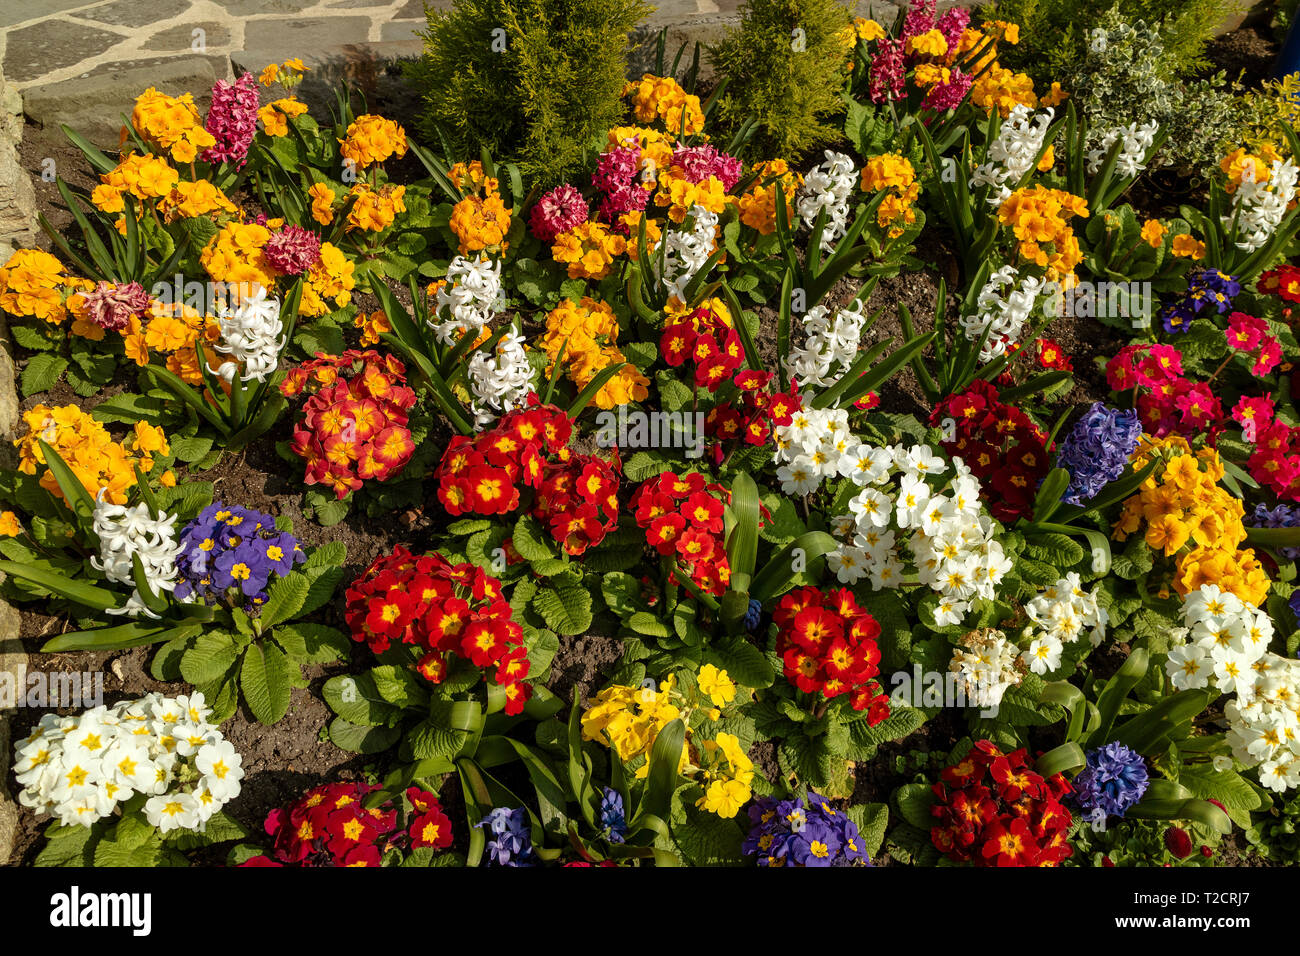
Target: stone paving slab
column 94, row 104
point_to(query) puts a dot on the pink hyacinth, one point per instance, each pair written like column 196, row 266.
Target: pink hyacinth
column 920, row 18
column 616, row 168
column 886, row 71
column 619, row 202
column 293, row 250
column 948, row 96
column 698, row 163
column 112, row 306
column 560, row 210
column 951, row 25
column 232, row 119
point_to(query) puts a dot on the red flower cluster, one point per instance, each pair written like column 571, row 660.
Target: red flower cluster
column 442, row 610
column 708, row 341
column 354, row 423
column 994, row 810
column 1283, row 282
column 1052, row 357
column 827, row 645
column 1170, row 402
column 681, row 516
column 328, row 826
column 1275, row 462
column 576, row 496
column 1002, row 445
column 1253, row 337
column 753, row 416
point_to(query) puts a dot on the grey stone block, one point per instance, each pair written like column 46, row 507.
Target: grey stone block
column 93, row 104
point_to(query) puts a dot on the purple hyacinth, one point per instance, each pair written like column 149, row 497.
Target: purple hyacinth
column 1113, row 781
column 509, row 843
column 232, row 119
column 1281, row 516
column 613, row 816
column 232, row 554
column 1097, row 450
column 809, row 833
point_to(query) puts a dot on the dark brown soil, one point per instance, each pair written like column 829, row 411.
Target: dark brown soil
column 1246, row 54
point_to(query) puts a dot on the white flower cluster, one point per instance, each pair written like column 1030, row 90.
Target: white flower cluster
column 1003, row 307
column 252, row 335
column 687, row 250
column 1014, row 152
column 949, row 537
column 1136, row 141
column 1059, row 615
column 1260, row 207
column 810, row 448
column 830, row 342
column 79, row 769
column 829, row 187
column 468, row 300
column 1225, row 638
column 1226, row 647
column 125, row 532
column 1264, row 731
column 988, row 665
column 501, row 381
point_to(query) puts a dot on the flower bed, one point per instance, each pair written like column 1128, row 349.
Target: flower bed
column 934, row 500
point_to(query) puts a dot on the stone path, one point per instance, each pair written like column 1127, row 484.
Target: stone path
column 48, row 41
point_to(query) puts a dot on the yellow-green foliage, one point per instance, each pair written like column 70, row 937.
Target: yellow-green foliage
column 1054, row 33
column 792, row 92
column 536, row 81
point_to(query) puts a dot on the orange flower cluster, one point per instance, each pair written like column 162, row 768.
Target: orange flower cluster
column 481, row 220
column 1039, row 218
column 587, row 333
column 32, row 283
column 354, row 423
column 892, row 174
column 757, row 205
column 172, row 124
column 372, row 139
column 589, row 250
column 662, row 98
column 375, row 210
column 89, row 450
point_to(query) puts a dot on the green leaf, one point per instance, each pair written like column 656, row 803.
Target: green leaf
column 872, row 820
column 312, row 643
column 565, row 609
column 362, row 740
column 743, row 662
column 531, row 540
column 210, row 657
column 42, row 372
column 264, row 679
column 914, row 801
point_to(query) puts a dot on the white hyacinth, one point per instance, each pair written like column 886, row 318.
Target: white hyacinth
column 126, row 532
column 252, row 335
column 79, row 769
column 468, row 300
column 1136, row 141
column 500, row 381
column 1260, row 207
column 1003, row 306
column 829, row 187
column 831, row 342
column 1014, row 152
column 687, row 250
